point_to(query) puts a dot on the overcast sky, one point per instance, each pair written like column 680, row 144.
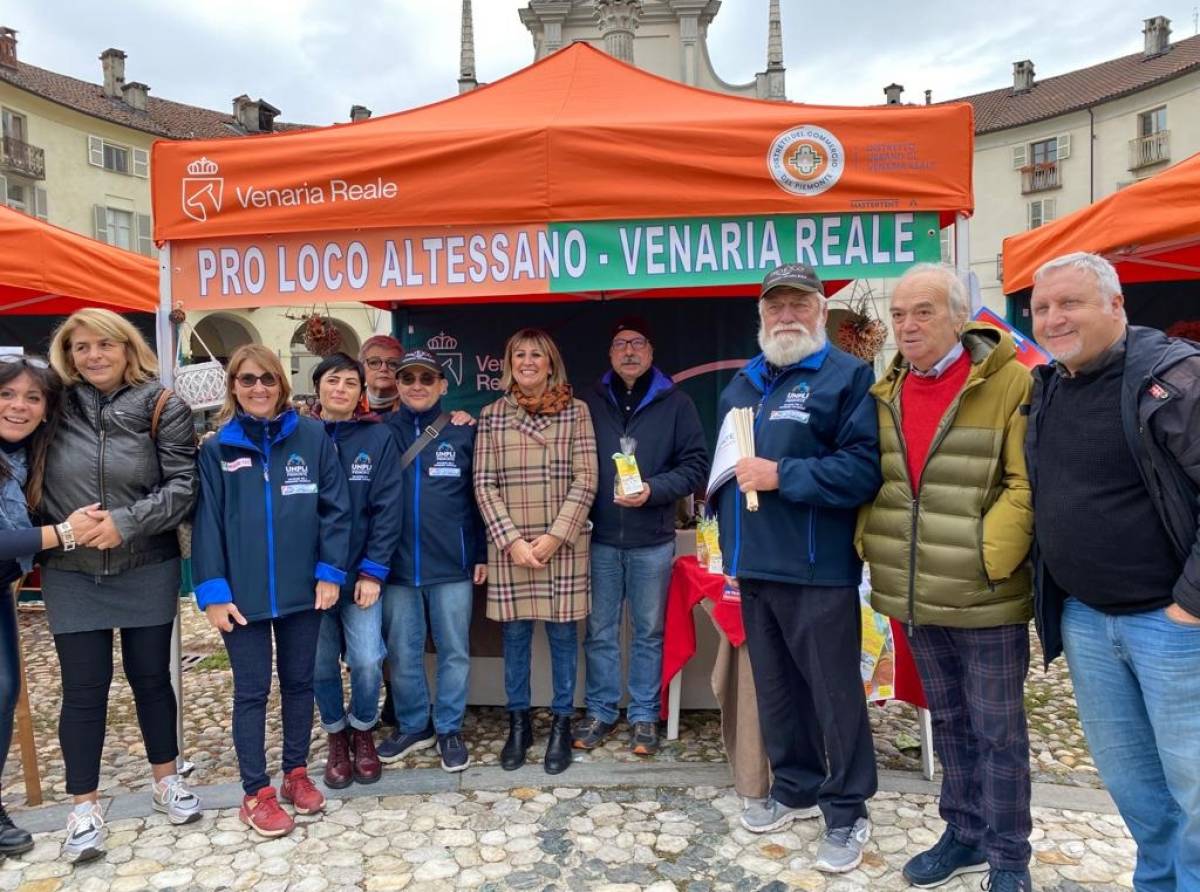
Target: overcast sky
column 313, row 59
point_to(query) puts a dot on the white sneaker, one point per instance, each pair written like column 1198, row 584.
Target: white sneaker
column 177, row 802
column 85, row 833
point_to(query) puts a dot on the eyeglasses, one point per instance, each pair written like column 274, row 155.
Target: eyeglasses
column 634, row 343
column 426, row 378
column 34, row 361
column 267, row 379
column 375, row 364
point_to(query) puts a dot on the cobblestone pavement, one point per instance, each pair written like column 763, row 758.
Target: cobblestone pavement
column 560, row 838
column 1059, row 754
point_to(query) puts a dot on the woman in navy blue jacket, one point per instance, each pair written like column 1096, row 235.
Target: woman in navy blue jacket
column 269, row 550
column 370, row 461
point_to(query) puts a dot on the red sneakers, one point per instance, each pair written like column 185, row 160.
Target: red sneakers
column 299, row 790
column 263, row 814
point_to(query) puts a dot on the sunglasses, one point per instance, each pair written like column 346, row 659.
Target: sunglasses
column 267, row 379
column 377, row 363
column 426, row 378
column 32, row 361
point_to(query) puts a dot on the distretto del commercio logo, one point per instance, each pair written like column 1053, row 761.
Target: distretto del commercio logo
column 806, row 160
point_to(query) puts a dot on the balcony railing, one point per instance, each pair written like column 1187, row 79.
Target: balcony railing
column 1147, row 150
column 23, row 158
column 1040, row 177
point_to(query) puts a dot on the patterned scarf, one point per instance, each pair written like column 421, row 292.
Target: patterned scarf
column 550, row 402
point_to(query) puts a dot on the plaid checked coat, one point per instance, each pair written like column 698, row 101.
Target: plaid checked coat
column 536, row 474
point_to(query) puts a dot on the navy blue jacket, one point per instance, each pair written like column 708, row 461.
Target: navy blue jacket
column 442, row 538
column 671, row 457
column 272, row 518
column 818, row 420
column 1160, row 405
column 367, row 452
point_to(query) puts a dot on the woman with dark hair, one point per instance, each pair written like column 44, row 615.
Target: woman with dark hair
column 366, row 451
column 535, row 480
column 128, row 444
column 269, row 548
column 30, row 402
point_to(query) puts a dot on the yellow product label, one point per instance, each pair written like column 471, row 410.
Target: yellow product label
column 701, row 544
column 629, row 480
column 713, row 535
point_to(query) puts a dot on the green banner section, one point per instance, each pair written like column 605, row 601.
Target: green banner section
column 695, row 252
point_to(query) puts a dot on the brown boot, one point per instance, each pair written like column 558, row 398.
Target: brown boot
column 338, row 772
column 367, row 767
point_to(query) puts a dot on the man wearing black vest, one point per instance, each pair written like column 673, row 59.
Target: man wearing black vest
column 1113, row 452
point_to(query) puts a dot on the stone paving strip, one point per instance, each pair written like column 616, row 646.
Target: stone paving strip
column 597, row 827
column 1059, row 754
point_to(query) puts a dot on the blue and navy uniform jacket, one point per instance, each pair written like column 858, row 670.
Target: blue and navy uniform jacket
column 442, row 531
column 817, row 419
column 272, row 518
column 366, row 450
column 671, row 456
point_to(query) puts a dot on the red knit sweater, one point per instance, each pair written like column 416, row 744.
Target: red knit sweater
column 923, row 402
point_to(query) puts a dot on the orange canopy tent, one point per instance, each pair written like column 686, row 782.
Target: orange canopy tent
column 1150, row 231
column 577, row 176
column 46, row 270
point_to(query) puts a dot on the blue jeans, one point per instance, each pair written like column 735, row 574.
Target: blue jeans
column 1137, row 684
column 564, row 658
column 10, row 670
column 357, row 632
column 639, row 576
column 448, row 608
column 249, row 649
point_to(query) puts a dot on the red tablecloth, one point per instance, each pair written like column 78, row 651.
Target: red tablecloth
column 691, row 584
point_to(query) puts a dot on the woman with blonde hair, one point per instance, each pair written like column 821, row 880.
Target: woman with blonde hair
column 127, row 444
column 535, row 479
column 270, row 546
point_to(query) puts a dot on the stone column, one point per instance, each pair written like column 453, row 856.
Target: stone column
column 618, row 19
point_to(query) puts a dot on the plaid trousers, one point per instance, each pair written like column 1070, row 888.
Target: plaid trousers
column 974, row 683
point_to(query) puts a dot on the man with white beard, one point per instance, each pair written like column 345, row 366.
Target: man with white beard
column 816, row 461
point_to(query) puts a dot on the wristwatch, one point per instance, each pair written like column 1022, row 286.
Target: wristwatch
column 66, row 535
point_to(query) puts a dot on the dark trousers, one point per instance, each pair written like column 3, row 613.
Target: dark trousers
column 249, row 647
column 85, row 660
column 805, row 647
column 10, row 671
column 974, row 683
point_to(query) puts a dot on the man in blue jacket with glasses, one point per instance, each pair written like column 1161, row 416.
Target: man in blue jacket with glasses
column 815, row 462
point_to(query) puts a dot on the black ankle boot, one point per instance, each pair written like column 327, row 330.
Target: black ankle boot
column 520, row 737
column 558, row 748
column 13, row 840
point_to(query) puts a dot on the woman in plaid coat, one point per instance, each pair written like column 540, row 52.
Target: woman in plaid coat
column 535, row 479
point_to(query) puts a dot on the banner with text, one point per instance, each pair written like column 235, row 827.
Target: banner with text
column 542, row 259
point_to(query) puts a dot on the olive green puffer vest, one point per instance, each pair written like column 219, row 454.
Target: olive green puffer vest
column 955, row 553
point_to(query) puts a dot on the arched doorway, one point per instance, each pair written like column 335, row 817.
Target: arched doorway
column 303, row 362
column 222, row 333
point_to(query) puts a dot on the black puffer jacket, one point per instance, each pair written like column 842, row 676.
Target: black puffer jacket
column 104, row 453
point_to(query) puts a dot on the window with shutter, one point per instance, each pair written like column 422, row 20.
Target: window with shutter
column 95, row 151
column 145, row 244
column 1018, row 156
column 40, row 207
column 100, row 222
column 141, row 163
column 120, row 226
column 1064, row 146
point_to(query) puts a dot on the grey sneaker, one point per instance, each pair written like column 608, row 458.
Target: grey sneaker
column 85, row 833
column 766, row 815
column 841, row 849
column 177, row 802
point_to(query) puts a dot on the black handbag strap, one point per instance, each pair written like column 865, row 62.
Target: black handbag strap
column 427, row 436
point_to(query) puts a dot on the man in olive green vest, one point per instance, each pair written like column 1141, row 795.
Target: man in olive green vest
column 947, row 539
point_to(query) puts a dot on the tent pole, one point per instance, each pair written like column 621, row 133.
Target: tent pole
column 962, row 256
column 166, row 374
